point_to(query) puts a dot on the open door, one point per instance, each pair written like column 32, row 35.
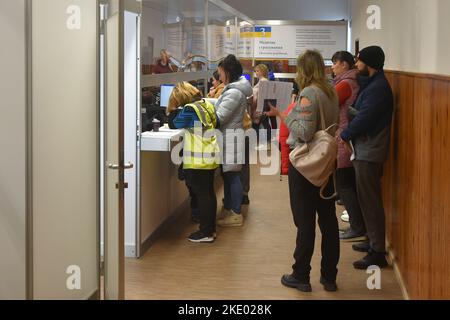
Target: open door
column 117, row 100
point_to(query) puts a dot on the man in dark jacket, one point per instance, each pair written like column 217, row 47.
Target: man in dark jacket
column 369, row 132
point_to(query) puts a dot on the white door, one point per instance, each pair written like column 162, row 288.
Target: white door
column 119, row 97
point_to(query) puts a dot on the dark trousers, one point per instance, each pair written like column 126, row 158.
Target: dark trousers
column 201, row 183
column 346, row 188
column 245, row 173
column 368, row 185
column 194, row 202
column 268, row 124
column 305, row 202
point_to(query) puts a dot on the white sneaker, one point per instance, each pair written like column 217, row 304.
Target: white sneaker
column 222, row 214
column 231, row 220
column 345, row 217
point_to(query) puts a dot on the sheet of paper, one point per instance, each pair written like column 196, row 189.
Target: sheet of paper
column 274, row 93
column 353, row 156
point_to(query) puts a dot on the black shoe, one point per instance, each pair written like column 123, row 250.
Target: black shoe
column 200, row 237
column 328, row 285
column 362, row 247
column 352, row 236
column 372, row 259
column 290, row 281
column 245, row 201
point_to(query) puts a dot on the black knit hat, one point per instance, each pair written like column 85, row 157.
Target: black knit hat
column 373, row 57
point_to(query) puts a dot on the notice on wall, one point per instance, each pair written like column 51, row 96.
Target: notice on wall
column 230, row 40
column 216, row 42
column 197, row 41
column 175, row 39
column 288, row 42
column 245, row 44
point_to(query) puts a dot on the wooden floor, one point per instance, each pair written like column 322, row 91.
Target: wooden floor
column 244, row 263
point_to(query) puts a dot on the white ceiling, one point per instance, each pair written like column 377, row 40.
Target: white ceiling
column 292, row 9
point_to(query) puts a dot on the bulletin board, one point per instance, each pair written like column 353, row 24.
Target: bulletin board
column 289, row 41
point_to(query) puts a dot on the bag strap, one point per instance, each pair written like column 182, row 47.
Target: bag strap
column 322, row 189
column 319, row 101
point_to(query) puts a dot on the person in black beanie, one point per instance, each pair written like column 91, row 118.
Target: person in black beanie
column 368, row 134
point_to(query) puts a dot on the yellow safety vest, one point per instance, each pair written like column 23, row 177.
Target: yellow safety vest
column 201, row 150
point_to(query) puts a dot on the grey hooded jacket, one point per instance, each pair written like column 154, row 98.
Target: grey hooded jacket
column 230, row 110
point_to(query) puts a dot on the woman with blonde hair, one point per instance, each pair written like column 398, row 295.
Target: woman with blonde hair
column 201, row 154
column 303, row 122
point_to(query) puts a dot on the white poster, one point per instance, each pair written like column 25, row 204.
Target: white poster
column 230, row 40
column 245, row 45
column 288, row 42
column 175, row 40
column 274, row 93
column 198, row 40
column 216, row 42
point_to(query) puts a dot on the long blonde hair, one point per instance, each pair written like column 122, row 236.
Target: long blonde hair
column 183, row 93
column 311, row 71
column 263, row 69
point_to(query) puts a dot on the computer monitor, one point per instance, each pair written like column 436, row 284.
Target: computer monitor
column 166, row 91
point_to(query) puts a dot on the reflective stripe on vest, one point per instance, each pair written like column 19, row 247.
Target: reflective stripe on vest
column 201, row 152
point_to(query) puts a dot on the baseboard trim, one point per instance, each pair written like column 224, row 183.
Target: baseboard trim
column 393, row 260
column 151, row 239
column 95, row 295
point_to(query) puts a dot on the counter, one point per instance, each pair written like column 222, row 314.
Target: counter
column 162, row 141
column 163, row 196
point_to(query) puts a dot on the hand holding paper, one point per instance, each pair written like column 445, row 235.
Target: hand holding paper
column 274, row 112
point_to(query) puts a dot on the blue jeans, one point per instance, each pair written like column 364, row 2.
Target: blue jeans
column 233, row 191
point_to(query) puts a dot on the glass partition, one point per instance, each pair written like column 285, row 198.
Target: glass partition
column 221, row 34
column 178, row 26
column 245, row 47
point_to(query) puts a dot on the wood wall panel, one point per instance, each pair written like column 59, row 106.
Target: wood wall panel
column 416, row 183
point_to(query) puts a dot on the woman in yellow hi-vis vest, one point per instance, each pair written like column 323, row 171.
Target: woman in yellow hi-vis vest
column 201, row 153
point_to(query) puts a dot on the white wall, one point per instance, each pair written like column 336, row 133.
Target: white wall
column 12, row 146
column 414, row 34
column 65, row 149
column 292, row 9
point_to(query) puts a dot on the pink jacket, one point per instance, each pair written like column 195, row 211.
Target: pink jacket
column 347, row 89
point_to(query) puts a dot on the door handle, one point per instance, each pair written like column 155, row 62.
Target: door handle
column 127, row 166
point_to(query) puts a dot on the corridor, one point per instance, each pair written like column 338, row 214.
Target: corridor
column 245, row 263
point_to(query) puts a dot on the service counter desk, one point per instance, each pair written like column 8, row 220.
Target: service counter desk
column 163, row 195
column 162, row 141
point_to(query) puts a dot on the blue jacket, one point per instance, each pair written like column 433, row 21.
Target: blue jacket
column 375, row 104
column 183, row 118
column 370, row 130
